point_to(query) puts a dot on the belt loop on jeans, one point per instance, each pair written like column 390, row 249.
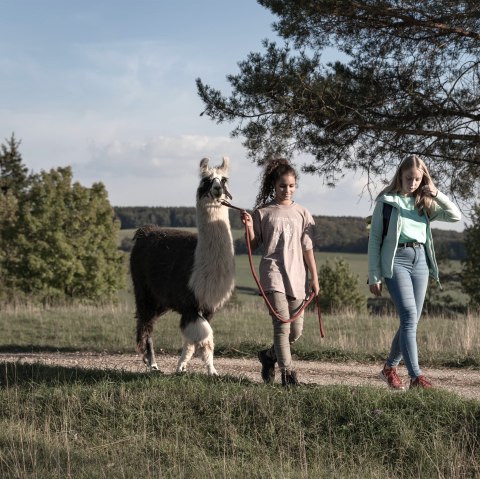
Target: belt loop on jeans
column 410, row 244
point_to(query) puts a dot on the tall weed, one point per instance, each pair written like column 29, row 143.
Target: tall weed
column 240, row 329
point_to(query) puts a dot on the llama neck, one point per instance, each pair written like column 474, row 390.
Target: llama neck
column 213, row 273
column 208, row 213
column 214, row 234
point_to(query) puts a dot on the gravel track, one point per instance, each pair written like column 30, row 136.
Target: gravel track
column 464, row 382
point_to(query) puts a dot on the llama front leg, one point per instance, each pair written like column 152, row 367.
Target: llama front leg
column 205, row 352
column 198, row 338
column 187, row 353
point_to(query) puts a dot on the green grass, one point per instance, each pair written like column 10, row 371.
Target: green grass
column 73, row 423
column 126, row 233
column 240, row 329
column 61, row 423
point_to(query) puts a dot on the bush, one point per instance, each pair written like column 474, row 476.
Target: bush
column 339, row 287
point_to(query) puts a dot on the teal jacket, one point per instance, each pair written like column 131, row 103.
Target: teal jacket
column 380, row 257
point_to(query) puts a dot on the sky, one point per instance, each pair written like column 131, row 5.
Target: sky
column 108, row 87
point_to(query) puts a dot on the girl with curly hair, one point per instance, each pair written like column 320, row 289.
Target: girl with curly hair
column 285, row 230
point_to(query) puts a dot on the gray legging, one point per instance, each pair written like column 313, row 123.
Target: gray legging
column 285, row 334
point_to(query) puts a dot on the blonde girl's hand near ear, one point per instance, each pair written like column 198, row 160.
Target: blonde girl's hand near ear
column 430, row 190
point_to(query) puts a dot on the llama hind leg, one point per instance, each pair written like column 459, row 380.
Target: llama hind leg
column 149, row 356
column 146, row 316
column 145, row 348
column 145, row 345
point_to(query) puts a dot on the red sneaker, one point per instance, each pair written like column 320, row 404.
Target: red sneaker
column 420, row 382
column 390, row 376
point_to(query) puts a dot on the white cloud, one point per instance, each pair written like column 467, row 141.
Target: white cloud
column 170, row 157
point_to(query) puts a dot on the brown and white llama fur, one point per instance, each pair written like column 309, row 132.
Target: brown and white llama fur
column 192, row 274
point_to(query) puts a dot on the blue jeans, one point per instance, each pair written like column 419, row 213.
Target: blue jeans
column 407, row 288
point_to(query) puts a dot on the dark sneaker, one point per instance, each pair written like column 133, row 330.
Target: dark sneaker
column 268, row 366
column 420, row 382
column 289, row 378
column 390, row 376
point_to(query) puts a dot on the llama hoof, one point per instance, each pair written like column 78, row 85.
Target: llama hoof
column 182, row 369
column 150, row 367
column 212, row 372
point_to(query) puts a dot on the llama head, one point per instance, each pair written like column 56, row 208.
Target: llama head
column 214, row 181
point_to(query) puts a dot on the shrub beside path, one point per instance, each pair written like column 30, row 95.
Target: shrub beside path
column 464, row 382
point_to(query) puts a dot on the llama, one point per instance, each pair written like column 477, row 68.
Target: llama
column 192, row 274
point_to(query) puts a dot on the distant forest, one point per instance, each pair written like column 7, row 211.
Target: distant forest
column 343, row 234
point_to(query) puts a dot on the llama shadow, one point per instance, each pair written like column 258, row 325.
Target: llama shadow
column 16, row 374
column 34, row 348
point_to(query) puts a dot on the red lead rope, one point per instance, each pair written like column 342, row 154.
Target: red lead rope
column 255, row 277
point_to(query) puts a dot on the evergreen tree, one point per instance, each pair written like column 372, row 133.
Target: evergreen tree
column 407, row 82
column 13, row 181
column 59, row 240
column 471, row 264
column 13, row 173
column 8, row 214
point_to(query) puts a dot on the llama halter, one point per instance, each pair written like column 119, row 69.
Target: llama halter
column 262, row 292
column 207, row 186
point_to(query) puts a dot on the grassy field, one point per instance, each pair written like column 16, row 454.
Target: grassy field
column 59, row 423
column 242, row 326
column 71, row 423
column 240, row 329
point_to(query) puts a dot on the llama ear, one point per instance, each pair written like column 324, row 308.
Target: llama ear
column 204, row 166
column 225, row 165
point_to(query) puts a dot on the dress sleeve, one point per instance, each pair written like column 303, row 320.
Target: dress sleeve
column 308, row 235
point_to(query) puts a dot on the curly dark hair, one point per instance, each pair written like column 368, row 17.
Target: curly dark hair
column 274, row 169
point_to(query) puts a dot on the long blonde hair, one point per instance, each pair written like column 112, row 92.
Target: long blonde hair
column 422, row 202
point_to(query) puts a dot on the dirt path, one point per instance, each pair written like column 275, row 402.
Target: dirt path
column 464, row 382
